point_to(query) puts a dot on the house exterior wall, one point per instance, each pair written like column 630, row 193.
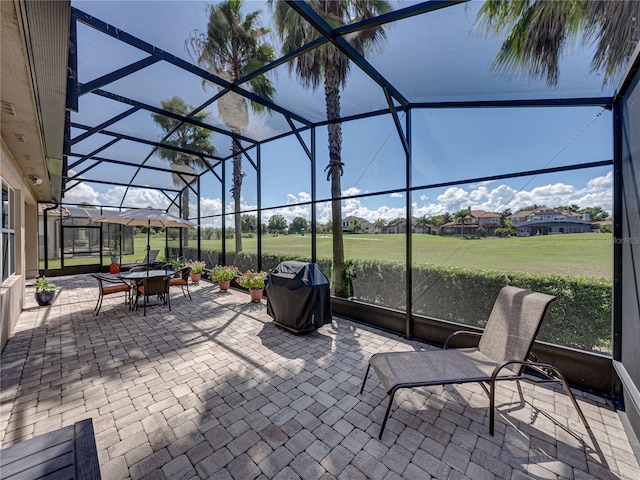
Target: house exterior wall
column 551, row 228
column 12, row 290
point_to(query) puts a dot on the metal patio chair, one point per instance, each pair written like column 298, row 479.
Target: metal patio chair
column 108, row 285
column 182, row 280
column 502, row 354
column 153, row 286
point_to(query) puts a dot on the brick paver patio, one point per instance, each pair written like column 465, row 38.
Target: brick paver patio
column 214, row 389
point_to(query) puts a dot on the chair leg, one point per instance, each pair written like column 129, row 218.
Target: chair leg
column 187, row 285
column 492, row 405
column 386, row 415
column 96, row 309
column 366, row 374
column 567, row 389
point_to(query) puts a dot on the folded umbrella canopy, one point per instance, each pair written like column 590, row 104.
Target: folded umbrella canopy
column 149, row 217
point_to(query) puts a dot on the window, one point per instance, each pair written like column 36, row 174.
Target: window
column 7, row 230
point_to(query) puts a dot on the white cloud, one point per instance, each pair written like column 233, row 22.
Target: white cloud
column 454, row 199
column 601, row 182
column 208, row 206
column 596, row 192
column 82, row 193
column 135, row 197
column 548, row 195
column 396, row 195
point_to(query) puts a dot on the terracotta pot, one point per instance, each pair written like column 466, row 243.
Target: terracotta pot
column 114, row 268
column 256, row 294
column 195, row 277
column 224, row 285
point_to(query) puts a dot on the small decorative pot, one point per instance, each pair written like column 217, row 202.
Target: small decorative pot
column 195, row 277
column 114, row 268
column 224, row 285
column 44, row 299
column 256, row 294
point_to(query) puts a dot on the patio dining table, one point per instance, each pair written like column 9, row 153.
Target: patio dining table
column 145, row 274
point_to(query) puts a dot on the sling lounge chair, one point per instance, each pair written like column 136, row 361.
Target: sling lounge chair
column 148, row 260
column 502, row 354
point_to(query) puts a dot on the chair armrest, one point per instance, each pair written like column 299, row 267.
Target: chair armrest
column 107, row 279
column 460, row 333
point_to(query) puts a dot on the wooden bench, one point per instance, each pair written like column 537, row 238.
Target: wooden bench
column 66, row 453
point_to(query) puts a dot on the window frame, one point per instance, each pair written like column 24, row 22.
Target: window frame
column 7, row 232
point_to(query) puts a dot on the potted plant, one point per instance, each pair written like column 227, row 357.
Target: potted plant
column 174, row 263
column 197, row 269
column 45, row 290
column 114, row 252
column 254, row 281
column 223, row 274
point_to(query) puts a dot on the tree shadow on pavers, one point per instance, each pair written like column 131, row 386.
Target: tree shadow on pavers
column 571, row 438
column 290, row 345
column 215, row 360
column 527, row 438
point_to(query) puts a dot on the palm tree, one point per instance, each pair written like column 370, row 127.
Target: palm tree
column 233, row 47
column 539, row 30
column 379, row 224
column 186, row 136
column 329, row 66
column 422, row 222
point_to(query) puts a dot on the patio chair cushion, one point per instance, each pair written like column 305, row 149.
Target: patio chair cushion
column 115, row 289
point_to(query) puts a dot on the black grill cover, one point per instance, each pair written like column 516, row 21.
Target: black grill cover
column 298, row 296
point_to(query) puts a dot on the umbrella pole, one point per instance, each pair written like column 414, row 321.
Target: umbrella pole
column 148, row 242
column 146, row 283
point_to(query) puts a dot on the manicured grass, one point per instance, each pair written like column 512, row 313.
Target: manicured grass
column 572, row 254
column 589, row 254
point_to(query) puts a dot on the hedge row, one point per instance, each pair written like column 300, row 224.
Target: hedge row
column 579, row 318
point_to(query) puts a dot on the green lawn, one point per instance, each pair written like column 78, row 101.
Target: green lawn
column 571, row 254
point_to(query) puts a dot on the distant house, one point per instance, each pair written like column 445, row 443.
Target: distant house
column 398, row 225
column 548, row 221
column 349, row 222
column 597, row 227
column 424, row 228
column 489, row 221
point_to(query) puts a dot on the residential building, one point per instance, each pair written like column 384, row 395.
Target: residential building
column 475, row 219
column 549, row 221
column 363, row 226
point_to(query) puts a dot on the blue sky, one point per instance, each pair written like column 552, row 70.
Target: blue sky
column 448, row 145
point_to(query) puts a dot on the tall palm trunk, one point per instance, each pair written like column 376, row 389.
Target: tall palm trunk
column 236, row 192
column 184, row 213
column 184, row 199
column 332, row 97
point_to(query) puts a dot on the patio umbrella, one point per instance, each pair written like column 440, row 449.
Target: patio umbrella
column 149, row 217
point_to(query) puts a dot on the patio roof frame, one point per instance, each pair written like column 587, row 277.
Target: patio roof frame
column 326, row 35
column 393, row 96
